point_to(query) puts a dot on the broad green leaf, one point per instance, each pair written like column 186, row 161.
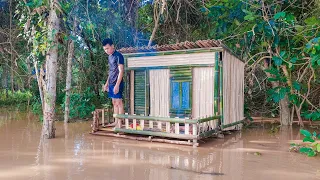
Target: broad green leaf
column 282, row 92
column 318, row 147
column 277, row 60
column 264, row 44
column 312, row 21
column 237, row 22
column 294, row 99
column 312, row 153
column 305, row 150
column 300, row 28
column 296, row 86
column 249, row 17
column 308, row 139
column 315, row 59
column 280, row 15
column 273, row 71
column 30, row 4
column 305, row 133
column 273, row 79
column 73, row 38
column 289, row 18
column 314, row 134
column 294, row 60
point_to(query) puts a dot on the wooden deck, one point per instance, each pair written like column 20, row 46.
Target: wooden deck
column 181, row 131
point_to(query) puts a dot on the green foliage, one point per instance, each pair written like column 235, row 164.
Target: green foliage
column 36, row 107
column 14, row 98
column 313, row 115
column 313, row 147
column 81, row 105
column 286, row 39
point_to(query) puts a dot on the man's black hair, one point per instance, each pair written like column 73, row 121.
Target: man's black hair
column 107, row 41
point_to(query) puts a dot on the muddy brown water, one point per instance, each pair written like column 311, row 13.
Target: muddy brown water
column 75, row 154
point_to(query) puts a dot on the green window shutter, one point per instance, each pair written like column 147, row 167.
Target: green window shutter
column 139, row 92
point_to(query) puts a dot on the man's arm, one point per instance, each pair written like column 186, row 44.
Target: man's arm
column 105, row 87
column 107, row 82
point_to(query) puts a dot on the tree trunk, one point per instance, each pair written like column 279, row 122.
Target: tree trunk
column 156, row 14
column 284, row 111
column 11, row 47
column 69, row 75
column 40, row 83
column 285, row 114
column 51, row 73
column 156, row 24
column 5, row 78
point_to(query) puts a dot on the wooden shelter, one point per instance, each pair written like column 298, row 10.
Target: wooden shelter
column 179, row 93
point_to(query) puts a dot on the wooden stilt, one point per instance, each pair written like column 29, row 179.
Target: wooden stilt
column 177, row 129
column 127, row 122
column 186, row 128
column 168, row 128
column 103, row 123
column 142, row 122
column 134, row 122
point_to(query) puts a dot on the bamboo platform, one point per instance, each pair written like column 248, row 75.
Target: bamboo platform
column 110, row 132
column 182, row 131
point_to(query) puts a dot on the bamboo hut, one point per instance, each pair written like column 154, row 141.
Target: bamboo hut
column 179, row 93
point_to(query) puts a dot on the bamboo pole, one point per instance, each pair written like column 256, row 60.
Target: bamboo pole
column 195, row 133
column 194, row 129
column 186, row 128
column 221, row 90
column 202, row 120
column 151, row 133
column 146, row 139
column 142, row 122
column 131, row 92
column 232, row 124
column 126, row 122
column 152, row 118
column 168, row 128
column 134, row 122
column 177, row 128
column 216, row 84
column 103, row 123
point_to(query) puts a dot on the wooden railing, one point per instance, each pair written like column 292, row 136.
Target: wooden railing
column 178, row 128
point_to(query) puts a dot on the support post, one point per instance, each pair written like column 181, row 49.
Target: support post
column 216, row 85
column 103, row 123
column 186, row 128
column 127, row 122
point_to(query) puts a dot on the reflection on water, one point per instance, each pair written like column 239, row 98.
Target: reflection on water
column 75, row 154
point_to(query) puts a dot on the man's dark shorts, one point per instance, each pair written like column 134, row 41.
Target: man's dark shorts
column 119, row 94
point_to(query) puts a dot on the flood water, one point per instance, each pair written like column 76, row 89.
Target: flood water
column 75, row 154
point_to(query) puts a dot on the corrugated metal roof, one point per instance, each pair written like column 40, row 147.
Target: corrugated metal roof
column 172, row 47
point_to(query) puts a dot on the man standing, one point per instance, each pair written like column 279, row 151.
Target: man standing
column 114, row 84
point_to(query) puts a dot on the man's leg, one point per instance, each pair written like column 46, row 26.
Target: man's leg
column 120, row 110
column 115, row 111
